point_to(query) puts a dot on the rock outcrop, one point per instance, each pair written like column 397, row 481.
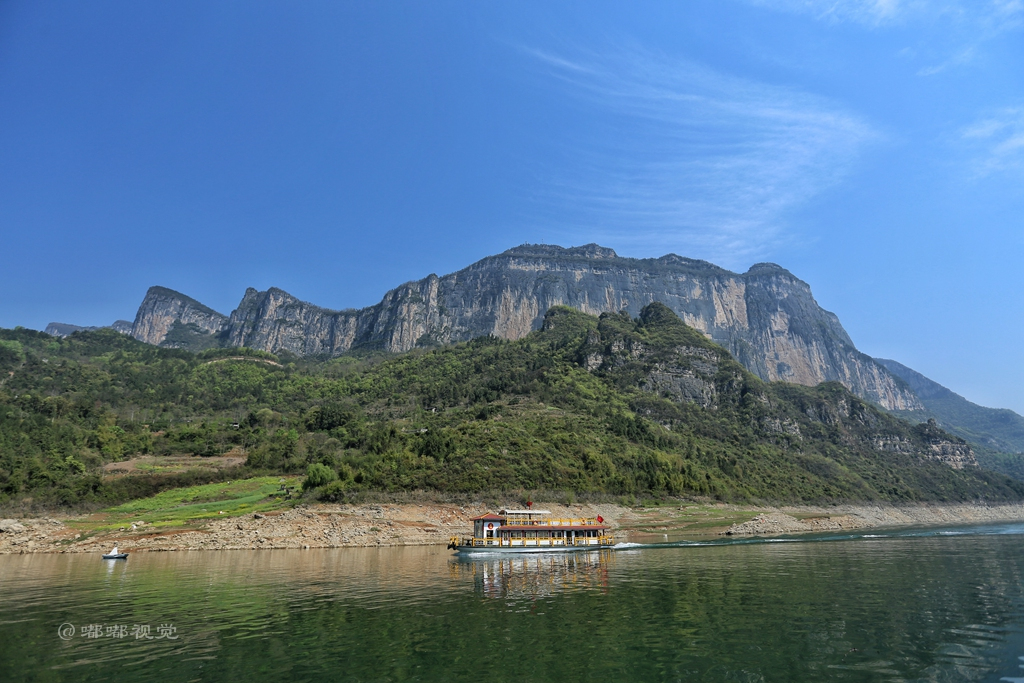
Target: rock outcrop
column 163, row 309
column 767, row 318
column 997, row 429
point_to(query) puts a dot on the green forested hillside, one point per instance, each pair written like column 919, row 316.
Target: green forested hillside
column 609, row 404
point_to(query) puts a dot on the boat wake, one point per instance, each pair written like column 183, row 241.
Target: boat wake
column 827, row 537
column 628, row 546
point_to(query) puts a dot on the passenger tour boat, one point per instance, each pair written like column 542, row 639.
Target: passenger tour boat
column 532, row 531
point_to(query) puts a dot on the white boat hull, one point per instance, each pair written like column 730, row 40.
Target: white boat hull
column 519, row 550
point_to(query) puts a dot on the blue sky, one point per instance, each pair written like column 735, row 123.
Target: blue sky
column 875, row 148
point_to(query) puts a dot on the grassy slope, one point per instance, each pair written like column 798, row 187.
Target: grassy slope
column 179, row 507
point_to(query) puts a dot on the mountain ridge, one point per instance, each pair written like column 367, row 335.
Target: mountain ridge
column 1000, row 429
column 766, row 317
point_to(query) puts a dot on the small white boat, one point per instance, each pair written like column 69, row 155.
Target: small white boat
column 114, row 555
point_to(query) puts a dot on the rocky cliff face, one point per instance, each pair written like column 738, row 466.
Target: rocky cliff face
column 938, row 445
column 164, row 309
column 766, row 317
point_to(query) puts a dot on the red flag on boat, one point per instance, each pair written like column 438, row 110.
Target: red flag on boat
column 600, row 519
column 529, row 503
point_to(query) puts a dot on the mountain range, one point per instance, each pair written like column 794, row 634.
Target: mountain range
column 767, row 318
column 606, row 406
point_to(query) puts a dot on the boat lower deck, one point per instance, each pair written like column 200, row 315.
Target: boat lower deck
column 471, row 549
column 528, row 545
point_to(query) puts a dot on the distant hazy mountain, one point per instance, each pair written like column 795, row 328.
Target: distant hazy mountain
column 767, row 318
column 64, row 329
column 996, row 428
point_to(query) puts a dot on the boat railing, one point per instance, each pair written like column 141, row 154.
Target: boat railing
column 524, row 520
column 502, row 542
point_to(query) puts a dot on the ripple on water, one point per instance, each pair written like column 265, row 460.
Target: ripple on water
column 920, row 605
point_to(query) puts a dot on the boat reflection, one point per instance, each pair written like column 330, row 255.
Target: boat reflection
column 534, row 575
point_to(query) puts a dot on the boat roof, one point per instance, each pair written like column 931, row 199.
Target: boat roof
column 533, row 527
column 526, row 512
column 488, row 516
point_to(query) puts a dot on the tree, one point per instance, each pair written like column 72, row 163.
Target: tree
column 318, row 475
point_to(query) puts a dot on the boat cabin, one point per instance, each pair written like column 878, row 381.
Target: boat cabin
column 536, row 528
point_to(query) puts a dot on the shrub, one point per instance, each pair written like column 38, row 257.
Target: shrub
column 334, row 492
column 318, row 475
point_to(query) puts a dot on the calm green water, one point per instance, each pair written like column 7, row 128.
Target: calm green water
column 938, row 605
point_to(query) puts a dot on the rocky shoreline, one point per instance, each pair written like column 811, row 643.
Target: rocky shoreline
column 802, row 519
column 344, row 526
column 306, row 526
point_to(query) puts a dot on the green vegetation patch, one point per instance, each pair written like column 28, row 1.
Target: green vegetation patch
column 178, row 507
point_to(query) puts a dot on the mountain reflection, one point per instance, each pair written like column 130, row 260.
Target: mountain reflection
column 535, row 575
column 910, row 606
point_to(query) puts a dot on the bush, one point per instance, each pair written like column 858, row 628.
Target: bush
column 318, row 475
column 333, row 492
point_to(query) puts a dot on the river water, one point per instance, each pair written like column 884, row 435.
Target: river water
column 910, row 605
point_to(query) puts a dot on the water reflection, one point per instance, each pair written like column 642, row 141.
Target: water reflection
column 535, row 575
column 925, row 606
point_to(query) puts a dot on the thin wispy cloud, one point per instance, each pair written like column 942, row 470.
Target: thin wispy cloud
column 960, row 58
column 966, row 24
column 998, row 141
column 869, row 12
column 694, row 160
column 993, row 14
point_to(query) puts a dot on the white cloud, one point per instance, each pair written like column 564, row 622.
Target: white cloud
column 998, row 141
column 698, row 161
column 965, row 25
column 992, row 13
column 964, row 56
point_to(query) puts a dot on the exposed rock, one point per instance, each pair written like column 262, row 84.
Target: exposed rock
column 767, row 524
column 775, row 523
column 995, row 428
column 681, row 385
column 956, row 455
column 951, row 450
column 10, row 526
column 163, row 308
column 766, row 317
column 774, row 425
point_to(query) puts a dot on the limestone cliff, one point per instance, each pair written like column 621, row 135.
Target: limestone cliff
column 164, row 309
column 766, row 317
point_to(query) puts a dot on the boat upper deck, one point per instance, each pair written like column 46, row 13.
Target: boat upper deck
column 533, row 519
